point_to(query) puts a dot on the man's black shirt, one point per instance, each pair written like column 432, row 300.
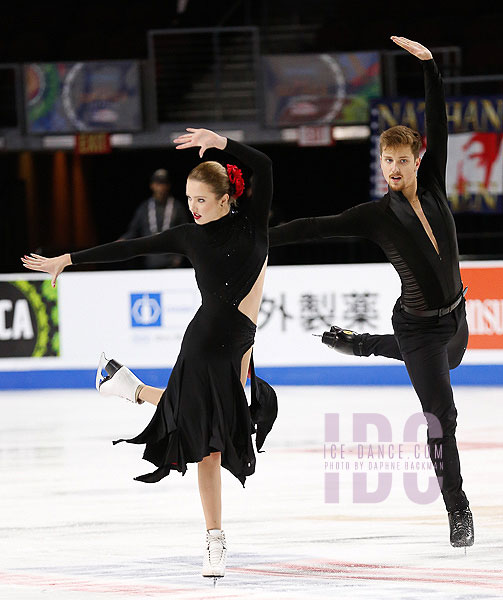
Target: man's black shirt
column 429, row 279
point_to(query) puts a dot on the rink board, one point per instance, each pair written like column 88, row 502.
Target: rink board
column 53, row 338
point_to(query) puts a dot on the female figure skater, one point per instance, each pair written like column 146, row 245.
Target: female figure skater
column 203, row 415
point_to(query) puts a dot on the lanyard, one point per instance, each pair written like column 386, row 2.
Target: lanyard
column 152, row 218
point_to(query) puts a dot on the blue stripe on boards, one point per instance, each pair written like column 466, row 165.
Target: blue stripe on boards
column 491, row 375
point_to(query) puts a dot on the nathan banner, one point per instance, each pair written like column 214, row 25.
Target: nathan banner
column 309, row 89
column 29, row 323
column 474, row 173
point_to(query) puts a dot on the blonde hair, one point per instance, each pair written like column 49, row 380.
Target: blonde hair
column 215, row 175
column 400, row 135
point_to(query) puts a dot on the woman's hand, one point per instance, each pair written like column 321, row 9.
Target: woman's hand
column 53, row 266
column 200, row 137
column 414, row 48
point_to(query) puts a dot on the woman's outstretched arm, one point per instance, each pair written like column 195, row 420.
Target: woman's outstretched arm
column 171, row 240
column 54, row 266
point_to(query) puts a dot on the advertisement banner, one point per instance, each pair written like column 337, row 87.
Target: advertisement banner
column 474, row 174
column 480, row 113
column 139, row 318
column 65, row 97
column 301, row 301
column 484, row 306
column 303, row 89
column 29, row 320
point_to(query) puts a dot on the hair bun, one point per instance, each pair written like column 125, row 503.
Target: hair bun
column 236, row 180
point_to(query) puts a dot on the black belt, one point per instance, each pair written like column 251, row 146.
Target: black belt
column 438, row 312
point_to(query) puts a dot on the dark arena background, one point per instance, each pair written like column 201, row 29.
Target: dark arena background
column 219, row 78
column 92, row 97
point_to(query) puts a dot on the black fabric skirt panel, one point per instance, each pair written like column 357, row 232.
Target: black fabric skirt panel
column 204, row 407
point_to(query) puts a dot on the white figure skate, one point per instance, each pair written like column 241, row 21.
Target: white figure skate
column 119, row 380
column 215, row 555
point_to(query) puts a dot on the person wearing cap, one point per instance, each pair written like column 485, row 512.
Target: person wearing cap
column 159, row 212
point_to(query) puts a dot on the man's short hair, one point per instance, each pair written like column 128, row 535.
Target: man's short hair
column 400, row 135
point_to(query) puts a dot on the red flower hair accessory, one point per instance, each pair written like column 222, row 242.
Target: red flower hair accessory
column 236, row 179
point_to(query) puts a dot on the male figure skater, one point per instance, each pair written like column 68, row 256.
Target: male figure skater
column 413, row 225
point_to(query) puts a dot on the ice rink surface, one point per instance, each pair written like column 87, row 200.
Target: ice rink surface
column 74, row 524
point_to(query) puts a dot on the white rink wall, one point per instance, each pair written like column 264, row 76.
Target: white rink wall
column 52, row 338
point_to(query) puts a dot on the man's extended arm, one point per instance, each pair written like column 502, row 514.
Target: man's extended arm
column 355, row 221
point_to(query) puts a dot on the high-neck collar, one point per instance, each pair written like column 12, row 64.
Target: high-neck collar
column 218, row 224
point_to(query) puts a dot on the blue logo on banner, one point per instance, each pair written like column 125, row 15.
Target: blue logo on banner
column 146, row 310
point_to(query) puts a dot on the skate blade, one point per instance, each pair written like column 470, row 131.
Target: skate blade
column 99, row 373
column 215, row 576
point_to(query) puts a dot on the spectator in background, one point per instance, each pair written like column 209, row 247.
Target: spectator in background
column 160, row 212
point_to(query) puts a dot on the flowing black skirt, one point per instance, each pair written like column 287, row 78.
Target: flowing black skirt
column 204, row 407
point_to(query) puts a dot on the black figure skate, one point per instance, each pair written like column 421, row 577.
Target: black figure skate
column 344, row 340
column 461, row 528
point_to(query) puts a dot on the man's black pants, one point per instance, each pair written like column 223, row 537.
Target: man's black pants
column 430, row 347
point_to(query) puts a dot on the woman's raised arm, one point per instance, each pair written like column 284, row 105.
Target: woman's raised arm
column 257, row 161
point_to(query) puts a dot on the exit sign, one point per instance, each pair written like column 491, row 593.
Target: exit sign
column 92, row 143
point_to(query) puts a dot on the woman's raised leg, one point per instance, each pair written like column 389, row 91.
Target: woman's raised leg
column 150, row 394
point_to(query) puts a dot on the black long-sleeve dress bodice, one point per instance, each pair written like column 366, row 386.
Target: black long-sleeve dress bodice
column 204, row 407
column 227, row 254
column 429, row 279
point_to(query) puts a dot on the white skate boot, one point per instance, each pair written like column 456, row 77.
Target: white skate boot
column 215, row 554
column 119, row 381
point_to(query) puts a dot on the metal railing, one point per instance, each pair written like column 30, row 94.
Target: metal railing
column 207, row 74
column 397, row 74
column 397, row 71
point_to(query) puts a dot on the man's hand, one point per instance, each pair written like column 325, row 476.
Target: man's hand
column 414, row 48
column 204, row 138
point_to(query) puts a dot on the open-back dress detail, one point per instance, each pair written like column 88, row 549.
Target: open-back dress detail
column 204, row 407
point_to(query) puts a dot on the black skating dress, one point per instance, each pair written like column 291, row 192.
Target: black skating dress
column 204, row 407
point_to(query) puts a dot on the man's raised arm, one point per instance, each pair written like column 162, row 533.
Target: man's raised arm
column 436, row 117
